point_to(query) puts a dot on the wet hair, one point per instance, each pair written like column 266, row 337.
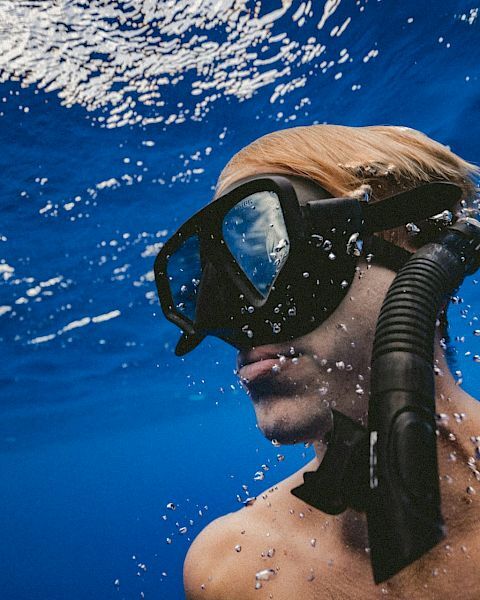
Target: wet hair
column 354, row 161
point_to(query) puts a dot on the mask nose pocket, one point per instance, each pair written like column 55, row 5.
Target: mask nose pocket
column 211, row 314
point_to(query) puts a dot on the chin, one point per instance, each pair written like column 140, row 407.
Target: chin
column 291, row 421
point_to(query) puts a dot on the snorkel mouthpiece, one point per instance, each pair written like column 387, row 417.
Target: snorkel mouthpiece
column 404, row 517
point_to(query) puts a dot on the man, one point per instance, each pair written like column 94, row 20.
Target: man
column 281, row 547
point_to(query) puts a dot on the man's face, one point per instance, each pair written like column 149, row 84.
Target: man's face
column 294, row 385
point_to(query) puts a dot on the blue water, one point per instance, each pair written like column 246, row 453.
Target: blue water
column 101, row 426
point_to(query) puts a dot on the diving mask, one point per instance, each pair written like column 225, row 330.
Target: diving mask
column 273, row 257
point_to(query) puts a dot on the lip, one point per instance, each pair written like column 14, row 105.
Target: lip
column 263, row 353
column 259, row 362
column 258, row 369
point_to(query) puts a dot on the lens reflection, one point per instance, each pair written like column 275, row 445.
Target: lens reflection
column 184, row 271
column 255, row 233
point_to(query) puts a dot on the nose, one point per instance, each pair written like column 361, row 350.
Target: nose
column 211, row 311
column 215, row 304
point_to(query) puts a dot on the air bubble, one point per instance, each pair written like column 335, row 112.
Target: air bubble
column 282, row 244
column 247, row 331
column 444, row 217
column 265, row 575
column 354, row 245
column 412, row 229
column 327, row 245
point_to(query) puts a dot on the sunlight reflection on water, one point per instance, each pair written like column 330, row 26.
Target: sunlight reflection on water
column 123, row 56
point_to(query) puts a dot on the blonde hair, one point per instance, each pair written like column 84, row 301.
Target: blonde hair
column 352, row 161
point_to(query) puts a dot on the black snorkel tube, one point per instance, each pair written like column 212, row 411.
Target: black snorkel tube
column 403, row 508
column 391, row 471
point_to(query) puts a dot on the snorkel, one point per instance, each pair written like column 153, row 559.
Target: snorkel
column 403, row 508
column 398, row 456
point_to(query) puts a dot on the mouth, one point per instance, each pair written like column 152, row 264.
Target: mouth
column 264, row 361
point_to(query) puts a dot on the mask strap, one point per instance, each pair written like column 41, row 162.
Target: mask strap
column 385, row 253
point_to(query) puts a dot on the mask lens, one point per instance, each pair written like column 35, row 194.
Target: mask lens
column 255, row 233
column 184, row 270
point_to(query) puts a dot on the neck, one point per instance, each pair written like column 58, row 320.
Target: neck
column 459, row 426
column 460, row 412
column 458, row 448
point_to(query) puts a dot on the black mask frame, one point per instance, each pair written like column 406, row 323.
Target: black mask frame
column 311, row 216
column 207, row 226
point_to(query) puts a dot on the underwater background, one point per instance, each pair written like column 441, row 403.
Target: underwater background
column 116, row 118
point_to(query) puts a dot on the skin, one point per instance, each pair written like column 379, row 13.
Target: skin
column 316, row 555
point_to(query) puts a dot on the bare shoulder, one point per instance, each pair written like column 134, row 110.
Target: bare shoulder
column 225, row 558
column 214, row 565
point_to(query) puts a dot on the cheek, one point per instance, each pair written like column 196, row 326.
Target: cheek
column 344, row 339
